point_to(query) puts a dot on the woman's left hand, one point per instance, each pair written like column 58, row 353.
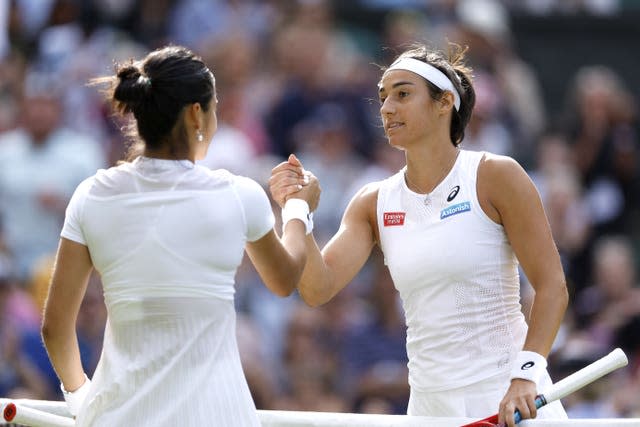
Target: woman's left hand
column 286, row 179
column 521, row 396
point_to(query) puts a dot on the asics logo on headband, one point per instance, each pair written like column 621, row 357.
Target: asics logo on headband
column 428, row 72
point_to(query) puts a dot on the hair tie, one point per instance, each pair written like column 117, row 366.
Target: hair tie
column 144, row 81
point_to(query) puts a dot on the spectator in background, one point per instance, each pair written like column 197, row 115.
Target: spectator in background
column 311, row 365
column 325, row 142
column 606, row 314
column 41, row 162
column 487, row 131
column 613, row 298
column 191, row 21
column 558, row 181
column 518, row 105
column 375, row 358
column 11, row 81
column 603, row 120
column 18, row 376
column 241, row 135
column 248, row 82
column 320, row 65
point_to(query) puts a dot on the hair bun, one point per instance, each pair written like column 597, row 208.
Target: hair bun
column 128, row 72
column 132, row 86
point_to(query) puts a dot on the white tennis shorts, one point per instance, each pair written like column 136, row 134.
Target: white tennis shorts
column 478, row 400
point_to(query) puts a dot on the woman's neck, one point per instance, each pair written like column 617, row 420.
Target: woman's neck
column 167, row 154
column 427, row 167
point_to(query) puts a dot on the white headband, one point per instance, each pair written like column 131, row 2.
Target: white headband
column 430, row 73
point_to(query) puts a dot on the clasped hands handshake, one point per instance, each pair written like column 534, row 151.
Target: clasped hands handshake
column 289, row 179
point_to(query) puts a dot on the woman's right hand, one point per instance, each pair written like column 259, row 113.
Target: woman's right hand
column 310, row 191
column 290, row 180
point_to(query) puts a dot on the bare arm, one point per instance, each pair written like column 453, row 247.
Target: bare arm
column 511, row 199
column 280, row 262
column 329, row 271
column 68, row 285
column 517, row 203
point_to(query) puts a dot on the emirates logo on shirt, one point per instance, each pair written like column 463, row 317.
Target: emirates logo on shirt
column 392, row 219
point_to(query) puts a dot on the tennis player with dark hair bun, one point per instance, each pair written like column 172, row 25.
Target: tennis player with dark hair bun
column 453, row 226
column 166, row 237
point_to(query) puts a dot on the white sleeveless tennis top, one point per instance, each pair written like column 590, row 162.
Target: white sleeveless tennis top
column 457, row 276
column 167, row 237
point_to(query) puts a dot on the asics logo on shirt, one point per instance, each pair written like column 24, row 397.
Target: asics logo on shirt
column 453, row 193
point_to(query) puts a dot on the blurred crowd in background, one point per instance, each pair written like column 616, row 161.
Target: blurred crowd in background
column 300, row 76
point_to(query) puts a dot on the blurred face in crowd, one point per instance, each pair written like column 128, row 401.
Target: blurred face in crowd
column 615, row 269
column 41, row 116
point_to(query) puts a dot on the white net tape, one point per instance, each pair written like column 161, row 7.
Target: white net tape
column 55, row 414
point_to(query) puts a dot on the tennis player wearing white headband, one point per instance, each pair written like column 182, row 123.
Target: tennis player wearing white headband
column 429, row 73
column 453, row 226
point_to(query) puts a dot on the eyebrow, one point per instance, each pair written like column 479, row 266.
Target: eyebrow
column 395, row 85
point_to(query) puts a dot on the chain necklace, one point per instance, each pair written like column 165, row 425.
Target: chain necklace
column 427, row 194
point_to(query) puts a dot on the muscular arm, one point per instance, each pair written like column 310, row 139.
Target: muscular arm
column 329, row 271
column 70, row 277
column 509, row 197
column 517, row 205
column 280, row 262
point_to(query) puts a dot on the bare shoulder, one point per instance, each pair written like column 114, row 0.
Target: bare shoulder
column 362, row 209
column 495, row 166
column 499, row 175
column 366, row 197
column 502, row 182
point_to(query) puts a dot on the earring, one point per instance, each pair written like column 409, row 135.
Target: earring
column 199, row 136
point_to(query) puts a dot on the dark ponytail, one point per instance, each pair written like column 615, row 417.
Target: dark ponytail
column 460, row 119
column 156, row 90
column 132, row 88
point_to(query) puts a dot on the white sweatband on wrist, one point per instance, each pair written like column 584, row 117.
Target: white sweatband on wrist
column 297, row 209
column 74, row 399
column 529, row 365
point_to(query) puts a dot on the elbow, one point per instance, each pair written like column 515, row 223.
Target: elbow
column 46, row 332
column 561, row 293
column 312, row 299
column 564, row 295
column 52, row 331
column 556, row 296
column 314, row 303
column 283, row 286
column 285, row 290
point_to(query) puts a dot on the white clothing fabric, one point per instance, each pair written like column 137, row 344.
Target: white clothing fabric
column 457, row 277
column 167, row 237
column 478, row 400
column 458, row 280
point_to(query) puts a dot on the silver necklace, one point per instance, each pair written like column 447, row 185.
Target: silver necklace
column 427, row 195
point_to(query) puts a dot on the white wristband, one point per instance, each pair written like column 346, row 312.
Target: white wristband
column 297, row 209
column 529, row 365
column 74, row 399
